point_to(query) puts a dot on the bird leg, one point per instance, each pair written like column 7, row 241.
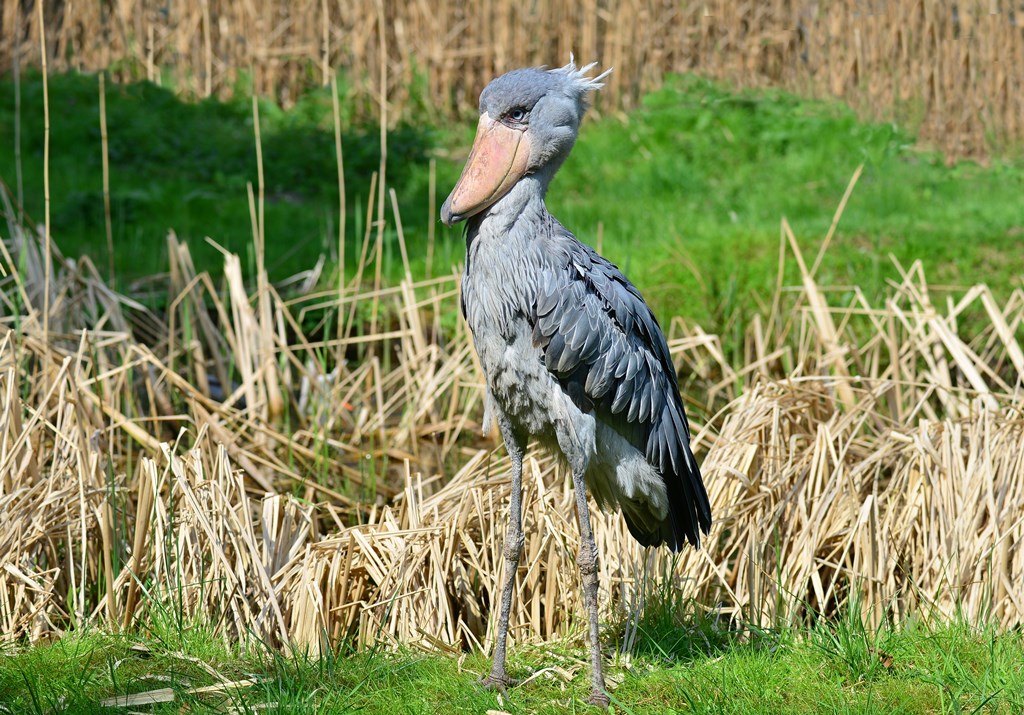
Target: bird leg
column 587, row 560
column 513, row 549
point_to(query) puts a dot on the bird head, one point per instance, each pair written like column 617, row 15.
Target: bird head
column 529, row 119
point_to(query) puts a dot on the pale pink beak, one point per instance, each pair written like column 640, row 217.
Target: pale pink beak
column 499, row 159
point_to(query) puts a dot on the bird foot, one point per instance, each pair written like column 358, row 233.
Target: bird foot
column 498, row 682
column 599, row 698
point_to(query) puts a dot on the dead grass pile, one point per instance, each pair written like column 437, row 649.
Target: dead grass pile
column 958, row 69
column 243, row 462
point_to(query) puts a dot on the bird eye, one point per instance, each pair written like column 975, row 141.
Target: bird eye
column 517, row 115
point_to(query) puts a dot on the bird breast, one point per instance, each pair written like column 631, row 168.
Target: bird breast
column 499, row 290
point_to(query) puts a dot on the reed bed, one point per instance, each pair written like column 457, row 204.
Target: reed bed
column 242, row 461
column 958, row 71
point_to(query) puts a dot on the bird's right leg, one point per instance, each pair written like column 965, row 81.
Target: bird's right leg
column 587, row 561
column 515, row 445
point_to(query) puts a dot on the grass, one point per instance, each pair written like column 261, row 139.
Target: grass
column 726, row 165
column 680, row 666
column 686, row 193
column 184, row 166
column 702, row 176
column 954, row 69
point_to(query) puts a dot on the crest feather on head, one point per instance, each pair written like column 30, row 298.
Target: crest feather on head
column 579, row 81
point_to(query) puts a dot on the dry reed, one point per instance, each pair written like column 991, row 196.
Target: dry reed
column 866, row 455
column 958, row 70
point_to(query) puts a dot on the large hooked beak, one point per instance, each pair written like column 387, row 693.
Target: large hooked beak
column 499, row 159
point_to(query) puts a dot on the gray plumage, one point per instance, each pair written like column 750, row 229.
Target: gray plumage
column 572, row 355
column 568, row 344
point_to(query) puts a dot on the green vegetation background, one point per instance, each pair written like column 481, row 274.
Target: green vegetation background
column 687, row 194
column 688, row 191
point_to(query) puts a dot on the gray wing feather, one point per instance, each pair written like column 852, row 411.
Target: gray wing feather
column 606, row 348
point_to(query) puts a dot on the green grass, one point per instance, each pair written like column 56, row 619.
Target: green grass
column 690, row 188
column 700, row 177
column 184, row 166
column 694, row 666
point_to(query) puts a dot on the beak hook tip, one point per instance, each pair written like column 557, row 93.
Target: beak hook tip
column 447, row 217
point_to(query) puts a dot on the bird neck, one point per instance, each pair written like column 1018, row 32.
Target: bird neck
column 521, row 207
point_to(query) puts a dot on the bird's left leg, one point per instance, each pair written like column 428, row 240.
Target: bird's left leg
column 515, row 444
column 587, row 560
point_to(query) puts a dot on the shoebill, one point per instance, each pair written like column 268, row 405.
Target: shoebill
column 573, row 357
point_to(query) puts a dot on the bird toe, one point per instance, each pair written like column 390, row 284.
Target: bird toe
column 498, row 682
